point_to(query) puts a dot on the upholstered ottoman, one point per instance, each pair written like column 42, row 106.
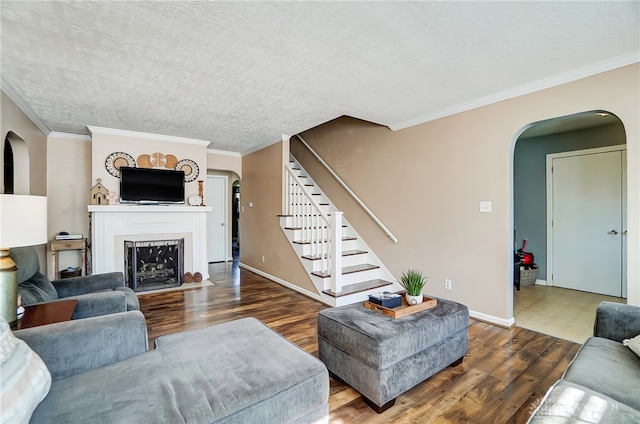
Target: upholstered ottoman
column 383, row 357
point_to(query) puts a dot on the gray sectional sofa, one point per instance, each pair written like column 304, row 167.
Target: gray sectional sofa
column 236, row 372
column 602, row 384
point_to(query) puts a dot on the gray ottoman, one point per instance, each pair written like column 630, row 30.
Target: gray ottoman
column 383, row 357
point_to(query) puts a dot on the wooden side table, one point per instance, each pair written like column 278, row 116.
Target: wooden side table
column 45, row 313
column 60, row 245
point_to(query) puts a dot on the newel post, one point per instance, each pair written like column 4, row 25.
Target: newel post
column 336, row 251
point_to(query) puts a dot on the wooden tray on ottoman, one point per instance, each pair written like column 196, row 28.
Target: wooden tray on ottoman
column 404, row 310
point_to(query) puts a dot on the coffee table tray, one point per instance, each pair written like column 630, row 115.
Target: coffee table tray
column 404, row 310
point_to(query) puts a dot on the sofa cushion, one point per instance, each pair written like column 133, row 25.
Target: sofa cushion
column 237, row 372
column 567, row 402
column 37, row 289
column 27, row 260
column 24, row 381
column 607, row 367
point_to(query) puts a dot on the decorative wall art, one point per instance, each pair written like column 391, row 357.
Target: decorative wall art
column 157, row 160
column 190, row 169
column 117, row 160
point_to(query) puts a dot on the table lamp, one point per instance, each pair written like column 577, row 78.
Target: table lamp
column 23, row 222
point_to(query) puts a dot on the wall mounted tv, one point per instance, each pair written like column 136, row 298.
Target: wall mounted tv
column 151, row 186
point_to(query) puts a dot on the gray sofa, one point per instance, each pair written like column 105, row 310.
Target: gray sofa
column 602, row 383
column 96, row 294
column 236, row 372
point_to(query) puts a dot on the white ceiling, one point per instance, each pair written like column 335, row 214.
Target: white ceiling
column 241, row 74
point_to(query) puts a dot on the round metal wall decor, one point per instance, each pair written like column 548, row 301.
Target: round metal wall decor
column 190, row 169
column 117, row 160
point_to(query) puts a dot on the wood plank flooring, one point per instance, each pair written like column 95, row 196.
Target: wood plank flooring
column 501, row 380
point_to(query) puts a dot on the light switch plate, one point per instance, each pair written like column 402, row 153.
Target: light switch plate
column 485, row 206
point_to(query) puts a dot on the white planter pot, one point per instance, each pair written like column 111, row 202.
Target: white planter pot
column 413, row 300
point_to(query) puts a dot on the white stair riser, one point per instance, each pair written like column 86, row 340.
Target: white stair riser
column 346, row 245
column 316, row 265
column 299, row 234
column 357, row 277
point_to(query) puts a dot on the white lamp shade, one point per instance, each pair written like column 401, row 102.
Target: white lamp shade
column 23, row 220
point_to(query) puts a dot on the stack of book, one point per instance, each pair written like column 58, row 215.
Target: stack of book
column 69, row 237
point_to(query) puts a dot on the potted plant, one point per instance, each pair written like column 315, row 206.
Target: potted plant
column 413, row 282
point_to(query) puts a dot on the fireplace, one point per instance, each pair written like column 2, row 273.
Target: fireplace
column 153, row 264
column 111, row 225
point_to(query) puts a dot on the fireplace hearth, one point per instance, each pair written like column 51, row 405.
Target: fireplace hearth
column 154, row 264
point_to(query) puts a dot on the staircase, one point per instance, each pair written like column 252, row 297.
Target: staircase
column 324, row 241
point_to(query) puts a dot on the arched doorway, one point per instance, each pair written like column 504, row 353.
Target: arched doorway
column 16, row 175
column 539, row 306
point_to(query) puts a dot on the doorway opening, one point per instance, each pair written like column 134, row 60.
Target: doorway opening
column 15, row 163
column 542, row 305
column 235, row 220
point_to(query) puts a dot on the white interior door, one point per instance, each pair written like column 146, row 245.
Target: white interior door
column 586, row 222
column 216, row 198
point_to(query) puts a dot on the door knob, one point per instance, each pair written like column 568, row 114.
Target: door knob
column 613, row 232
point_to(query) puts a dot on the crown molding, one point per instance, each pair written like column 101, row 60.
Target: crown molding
column 13, row 95
column 70, row 136
column 260, row 147
column 147, row 136
column 223, row 153
column 587, row 71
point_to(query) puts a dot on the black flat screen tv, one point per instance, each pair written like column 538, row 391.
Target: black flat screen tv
column 151, row 186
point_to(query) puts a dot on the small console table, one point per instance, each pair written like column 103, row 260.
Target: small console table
column 60, row 245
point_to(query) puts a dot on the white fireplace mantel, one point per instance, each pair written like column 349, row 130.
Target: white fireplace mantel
column 110, row 225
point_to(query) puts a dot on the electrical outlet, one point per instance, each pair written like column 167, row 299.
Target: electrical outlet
column 447, row 284
column 263, row 260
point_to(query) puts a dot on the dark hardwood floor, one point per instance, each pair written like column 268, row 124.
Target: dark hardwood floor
column 501, row 380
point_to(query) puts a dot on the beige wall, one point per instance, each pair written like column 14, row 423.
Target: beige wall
column 260, row 232
column 14, row 120
column 425, row 183
column 225, row 162
column 69, row 181
column 136, row 144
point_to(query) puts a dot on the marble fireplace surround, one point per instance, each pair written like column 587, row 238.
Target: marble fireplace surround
column 112, row 225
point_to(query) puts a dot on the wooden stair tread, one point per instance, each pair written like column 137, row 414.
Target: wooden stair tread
column 348, row 270
column 358, row 287
column 344, row 253
column 308, row 242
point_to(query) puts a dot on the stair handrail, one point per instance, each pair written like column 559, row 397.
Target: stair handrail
column 351, row 193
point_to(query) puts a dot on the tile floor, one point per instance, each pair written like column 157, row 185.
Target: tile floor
column 564, row 313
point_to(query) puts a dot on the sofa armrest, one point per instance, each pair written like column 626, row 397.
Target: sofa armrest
column 617, row 321
column 95, row 304
column 101, row 303
column 73, row 347
column 89, row 283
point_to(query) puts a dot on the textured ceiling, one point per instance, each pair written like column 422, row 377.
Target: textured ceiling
column 241, row 74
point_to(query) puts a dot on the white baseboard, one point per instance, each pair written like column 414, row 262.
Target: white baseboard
column 280, row 281
column 508, row 323
column 542, row 282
